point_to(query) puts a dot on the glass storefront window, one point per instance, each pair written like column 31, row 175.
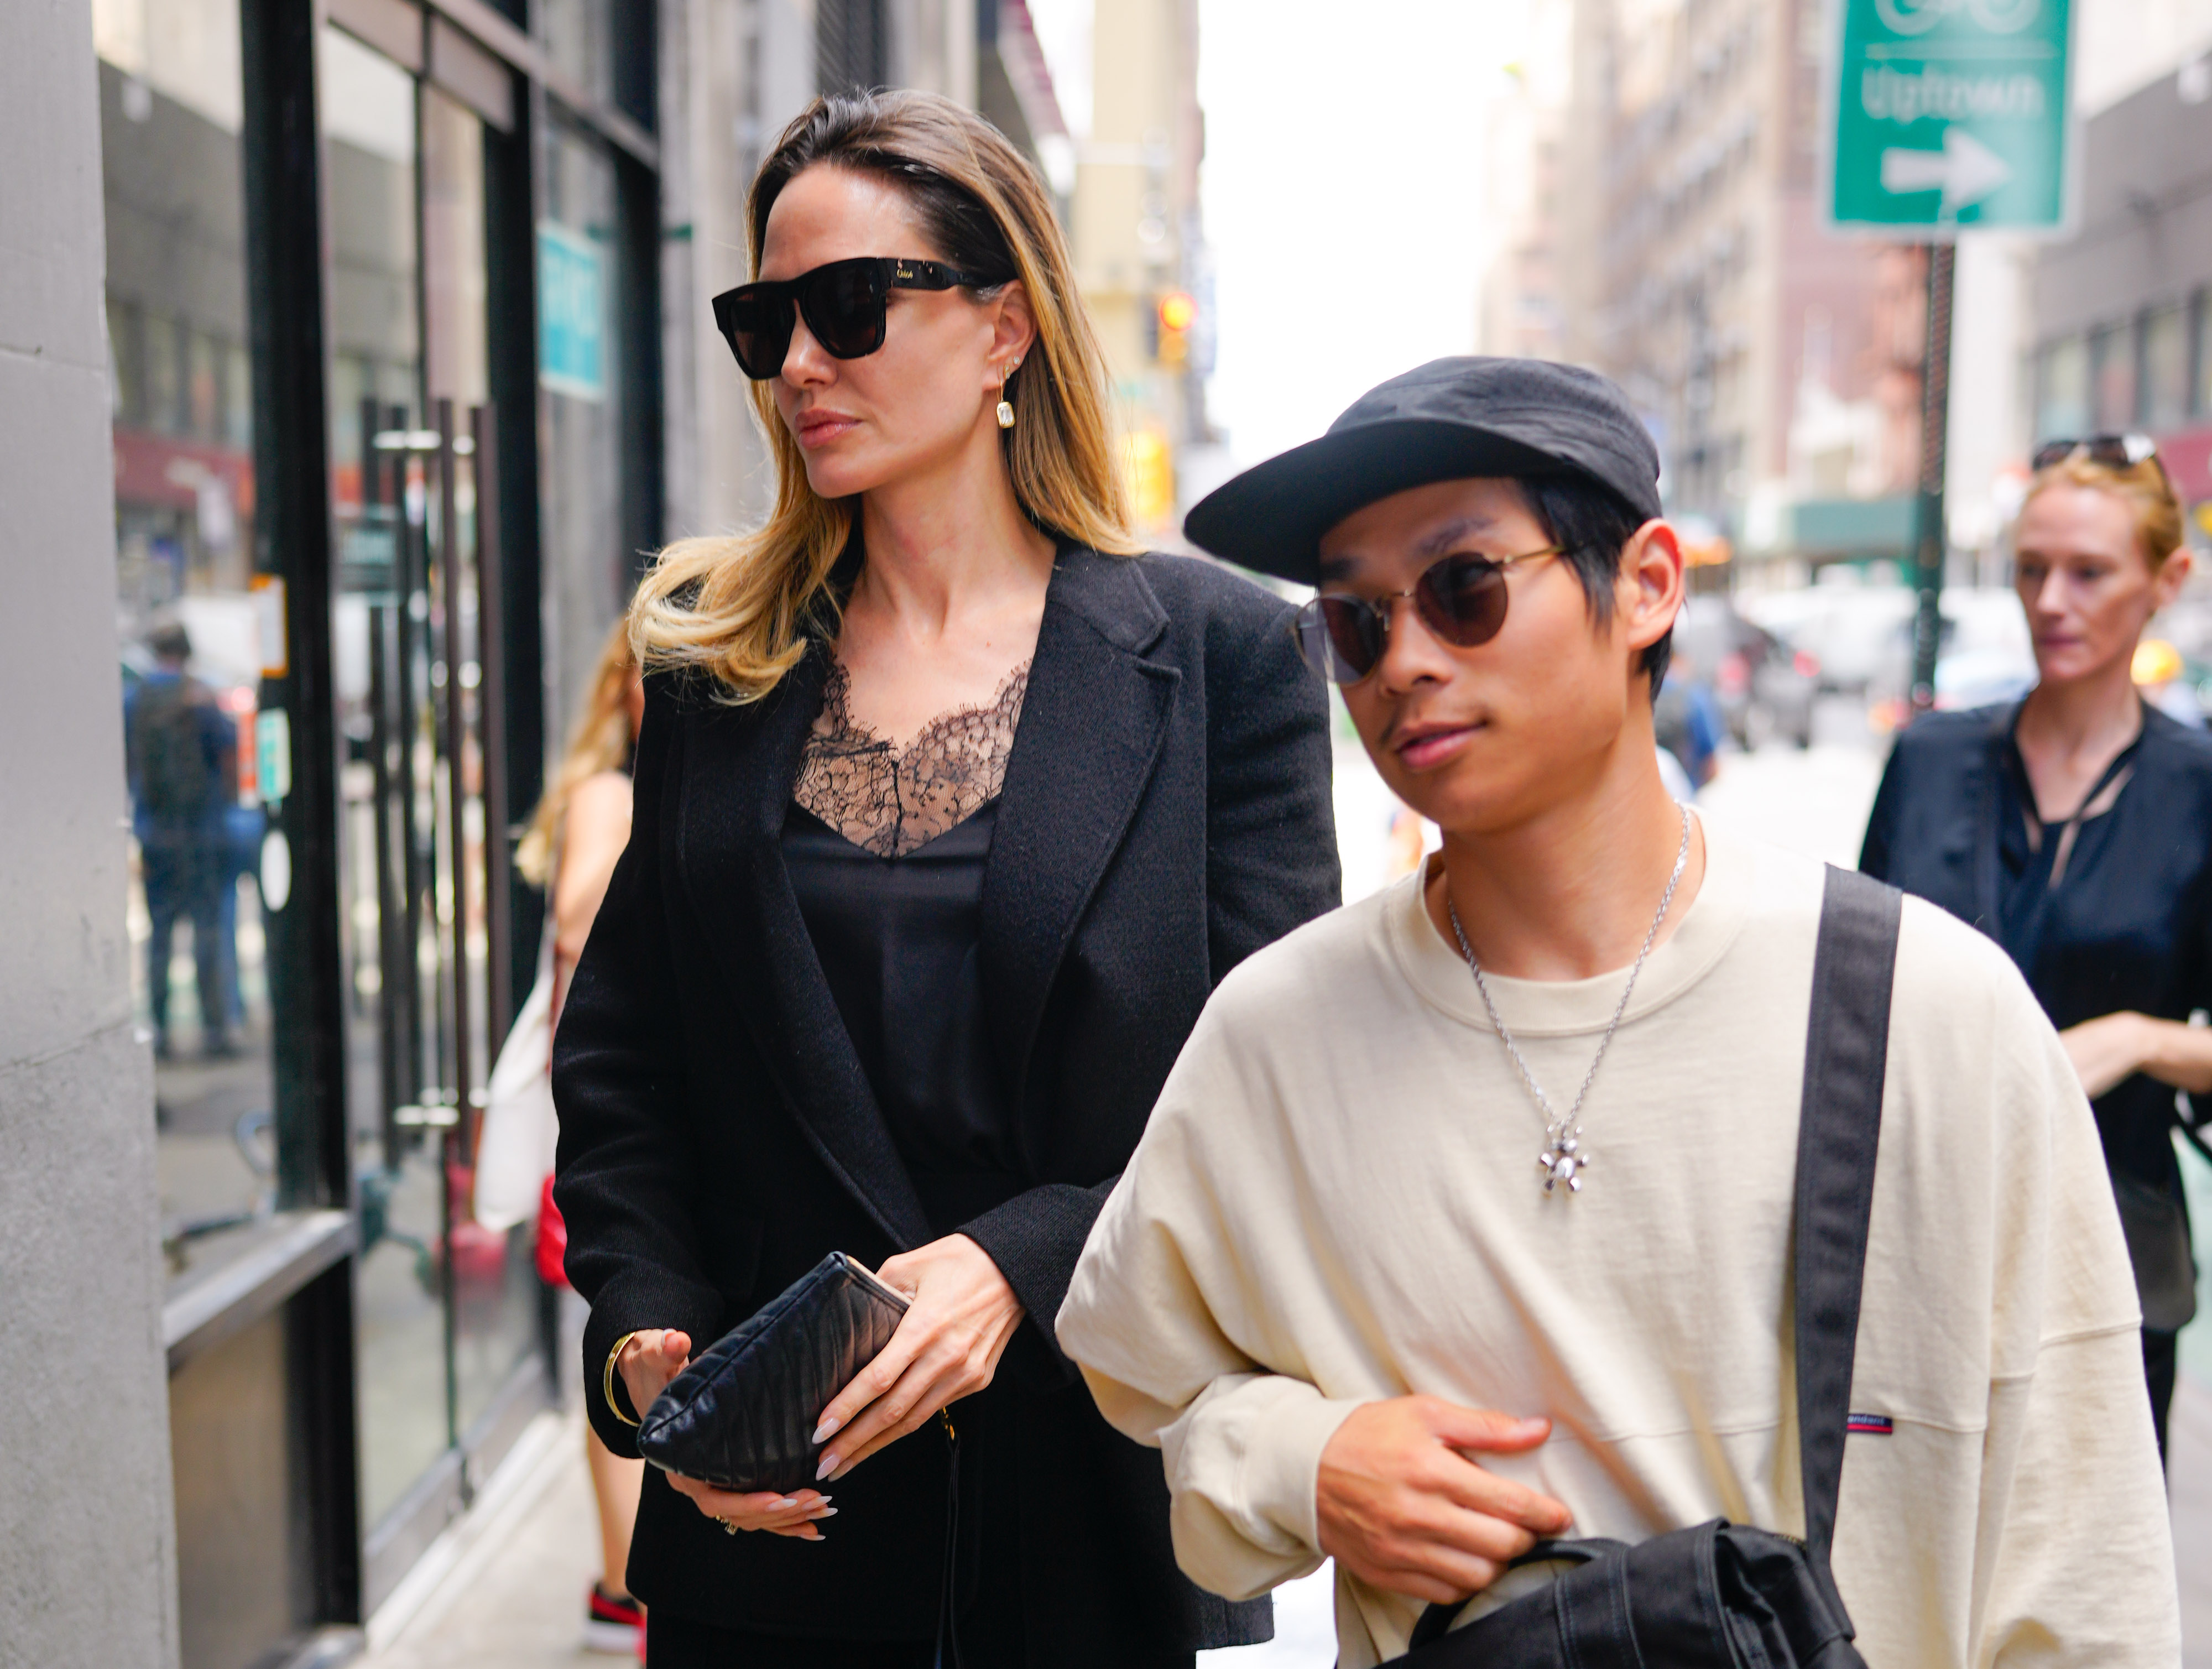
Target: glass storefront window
column 579, row 38
column 580, row 371
column 379, row 495
column 171, row 103
column 2166, row 368
column 447, row 1312
column 2062, row 388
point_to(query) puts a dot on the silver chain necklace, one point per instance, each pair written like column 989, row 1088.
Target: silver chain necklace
column 1564, row 1158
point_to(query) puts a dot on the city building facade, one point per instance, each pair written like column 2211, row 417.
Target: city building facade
column 1140, row 246
column 1777, row 364
column 2122, row 315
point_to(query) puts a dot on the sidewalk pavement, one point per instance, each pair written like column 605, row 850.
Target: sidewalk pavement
column 505, row 1588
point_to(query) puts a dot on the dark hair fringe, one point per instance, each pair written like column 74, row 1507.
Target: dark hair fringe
column 1593, row 523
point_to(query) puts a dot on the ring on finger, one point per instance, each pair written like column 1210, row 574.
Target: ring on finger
column 729, row 1526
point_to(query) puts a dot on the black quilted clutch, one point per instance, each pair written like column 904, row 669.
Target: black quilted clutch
column 742, row 1415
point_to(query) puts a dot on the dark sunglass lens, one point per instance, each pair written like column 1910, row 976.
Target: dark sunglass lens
column 1463, row 600
column 759, row 329
column 845, row 308
column 1340, row 638
column 2049, row 452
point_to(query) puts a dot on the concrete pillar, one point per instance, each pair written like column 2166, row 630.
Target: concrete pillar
column 87, row 1556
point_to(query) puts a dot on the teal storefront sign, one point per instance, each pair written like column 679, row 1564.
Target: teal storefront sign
column 572, row 314
column 1950, row 115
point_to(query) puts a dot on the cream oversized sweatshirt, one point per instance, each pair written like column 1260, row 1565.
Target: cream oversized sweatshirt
column 1338, row 1201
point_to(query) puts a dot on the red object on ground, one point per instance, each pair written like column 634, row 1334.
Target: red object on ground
column 612, row 1625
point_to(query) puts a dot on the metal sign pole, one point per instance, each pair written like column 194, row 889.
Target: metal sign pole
column 1930, row 539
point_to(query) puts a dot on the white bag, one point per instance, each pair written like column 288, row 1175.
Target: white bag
column 515, row 1143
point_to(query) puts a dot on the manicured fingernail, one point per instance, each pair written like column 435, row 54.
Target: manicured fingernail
column 827, row 1430
column 827, row 1512
column 828, row 1465
column 782, row 1503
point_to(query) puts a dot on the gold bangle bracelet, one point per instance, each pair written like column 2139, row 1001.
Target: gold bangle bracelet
column 607, row 1379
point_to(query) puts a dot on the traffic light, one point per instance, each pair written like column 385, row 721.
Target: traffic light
column 1176, row 314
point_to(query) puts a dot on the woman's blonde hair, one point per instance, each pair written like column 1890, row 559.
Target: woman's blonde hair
column 2142, row 487
column 601, row 741
column 738, row 607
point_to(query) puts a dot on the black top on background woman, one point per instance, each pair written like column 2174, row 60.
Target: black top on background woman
column 2076, row 828
column 950, row 813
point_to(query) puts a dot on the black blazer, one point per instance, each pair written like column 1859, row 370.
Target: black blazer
column 1166, row 812
column 2131, row 928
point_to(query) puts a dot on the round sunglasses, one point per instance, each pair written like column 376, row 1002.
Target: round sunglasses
column 845, row 304
column 1462, row 600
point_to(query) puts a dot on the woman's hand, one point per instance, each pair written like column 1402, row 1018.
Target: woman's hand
column 1401, row 1507
column 2115, row 1047
column 648, row 1361
column 795, row 1515
column 947, row 1347
column 2106, row 1050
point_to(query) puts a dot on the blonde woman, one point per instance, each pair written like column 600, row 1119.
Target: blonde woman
column 2075, row 827
column 576, row 834
column 952, row 808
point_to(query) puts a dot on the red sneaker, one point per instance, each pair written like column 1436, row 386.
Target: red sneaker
column 614, row 1626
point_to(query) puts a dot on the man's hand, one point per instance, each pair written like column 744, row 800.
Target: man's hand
column 1403, row 1509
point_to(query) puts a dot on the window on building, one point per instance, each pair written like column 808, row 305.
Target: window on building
column 170, row 108
column 2112, row 377
column 2200, row 315
column 2062, row 388
column 851, row 47
column 2166, row 368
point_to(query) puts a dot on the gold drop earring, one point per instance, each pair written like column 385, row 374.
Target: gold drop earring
column 1005, row 407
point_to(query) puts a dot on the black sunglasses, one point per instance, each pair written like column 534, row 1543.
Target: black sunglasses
column 1462, row 599
column 2114, row 451
column 845, row 304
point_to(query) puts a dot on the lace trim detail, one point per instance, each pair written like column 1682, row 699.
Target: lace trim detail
column 888, row 800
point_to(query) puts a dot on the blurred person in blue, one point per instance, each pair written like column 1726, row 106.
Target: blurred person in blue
column 1687, row 719
column 182, row 754
column 2074, row 826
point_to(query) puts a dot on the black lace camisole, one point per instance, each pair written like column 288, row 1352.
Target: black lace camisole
column 886, row 848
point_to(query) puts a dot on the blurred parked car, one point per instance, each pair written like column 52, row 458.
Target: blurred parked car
column 1765, row 687
column 1862, row 638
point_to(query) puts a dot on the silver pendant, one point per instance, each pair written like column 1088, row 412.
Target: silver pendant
column 1565, row 1161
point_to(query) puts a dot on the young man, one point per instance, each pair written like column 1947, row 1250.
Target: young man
column 1337, row 1250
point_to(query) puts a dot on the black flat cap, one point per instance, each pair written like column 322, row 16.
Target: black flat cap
column 1445, row 421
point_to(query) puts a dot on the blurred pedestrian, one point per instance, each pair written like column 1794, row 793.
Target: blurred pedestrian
column 1686, row 721
column 2075, row 827
column 182, row 757
column 574, row 837
column 951, row 809
column 1361, row 1323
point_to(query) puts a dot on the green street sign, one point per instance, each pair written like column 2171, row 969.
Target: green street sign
column 1950, row 114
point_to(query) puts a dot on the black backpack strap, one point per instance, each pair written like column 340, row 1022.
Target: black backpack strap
column 1839, row 1127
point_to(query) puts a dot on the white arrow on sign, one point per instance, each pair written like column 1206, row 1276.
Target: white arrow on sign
column 1966, row 171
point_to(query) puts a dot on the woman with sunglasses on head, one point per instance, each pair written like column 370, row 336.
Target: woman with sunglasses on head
column 2075, row 827
column 951, row 809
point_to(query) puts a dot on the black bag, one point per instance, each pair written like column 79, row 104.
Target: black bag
column 179, row 771
column 742, row 1415
column 1722, row 1595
